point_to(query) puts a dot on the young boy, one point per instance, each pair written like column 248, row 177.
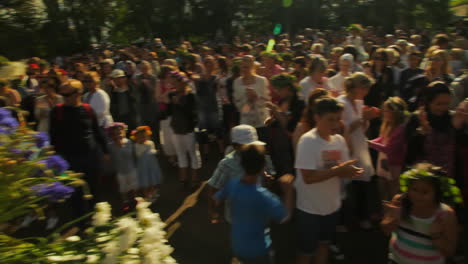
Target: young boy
column 322, row 160
column 252, row 208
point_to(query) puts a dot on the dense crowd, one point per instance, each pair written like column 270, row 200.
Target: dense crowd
column 326, row 120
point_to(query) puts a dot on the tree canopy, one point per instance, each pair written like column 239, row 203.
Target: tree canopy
column 61, row 27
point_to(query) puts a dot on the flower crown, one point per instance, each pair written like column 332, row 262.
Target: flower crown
column 357, row 27
column 180, row 77
column 450, row 192
column 145, row 129
column 115, row 125
column 283, row 80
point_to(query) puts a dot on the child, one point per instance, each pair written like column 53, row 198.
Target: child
column 252, row 208
column 121, row 153
column 391, row 146
column 322, row 160
column 424, row 229
column 149, row 173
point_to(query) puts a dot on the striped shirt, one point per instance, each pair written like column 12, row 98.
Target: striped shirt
column 412, row 244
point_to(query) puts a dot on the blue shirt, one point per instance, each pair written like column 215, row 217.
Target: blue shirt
column 252, row 209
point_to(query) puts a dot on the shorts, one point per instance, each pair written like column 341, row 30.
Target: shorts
column 313, row 230
column 268, row 259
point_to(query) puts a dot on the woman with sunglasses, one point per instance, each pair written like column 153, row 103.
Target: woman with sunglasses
column 46, row 102
column 76, row 136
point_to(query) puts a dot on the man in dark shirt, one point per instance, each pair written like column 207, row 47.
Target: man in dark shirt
column 414, row 61
column 76, row 136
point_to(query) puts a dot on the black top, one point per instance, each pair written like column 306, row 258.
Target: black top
column 382, row 89
column 405, row 90
column 184, row 114
column 206, row 94
column 75, row 131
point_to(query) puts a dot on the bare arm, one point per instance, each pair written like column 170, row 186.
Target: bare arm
column 445, row 240
column 344, row 170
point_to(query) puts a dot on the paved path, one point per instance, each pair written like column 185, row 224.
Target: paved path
column 198, row 242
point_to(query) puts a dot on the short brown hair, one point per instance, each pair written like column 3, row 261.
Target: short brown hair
column 252, row 158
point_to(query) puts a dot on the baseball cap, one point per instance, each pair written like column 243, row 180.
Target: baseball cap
column 117, row 73
column 245, row 134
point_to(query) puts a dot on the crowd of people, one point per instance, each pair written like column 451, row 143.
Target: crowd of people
column 331, row 118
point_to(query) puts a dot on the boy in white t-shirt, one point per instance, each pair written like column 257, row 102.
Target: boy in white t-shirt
column 322, row 161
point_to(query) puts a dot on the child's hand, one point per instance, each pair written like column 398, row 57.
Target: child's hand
column 348, row 170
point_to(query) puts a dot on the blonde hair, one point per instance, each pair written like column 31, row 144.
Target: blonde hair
column 444, row 56
column 399, row 108
column 93, row 75
column 356, row 80
column 336, row 50
column 318, row 46
column 75, row 84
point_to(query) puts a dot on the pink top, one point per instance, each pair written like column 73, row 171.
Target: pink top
column 395, row 149
column 164, row 88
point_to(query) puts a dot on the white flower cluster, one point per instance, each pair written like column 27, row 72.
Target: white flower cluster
column 153, row 243
column 103, row 214
column 147, row 233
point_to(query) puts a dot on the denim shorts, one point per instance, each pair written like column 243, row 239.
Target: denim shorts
column 314, row 229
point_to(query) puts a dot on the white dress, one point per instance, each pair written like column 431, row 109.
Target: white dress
column 357, row 139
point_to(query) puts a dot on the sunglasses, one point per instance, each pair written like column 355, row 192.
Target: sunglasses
column 69, row 94
column 379, row 59
column 87, row 81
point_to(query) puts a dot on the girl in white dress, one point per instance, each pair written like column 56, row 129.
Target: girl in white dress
column 149, row 172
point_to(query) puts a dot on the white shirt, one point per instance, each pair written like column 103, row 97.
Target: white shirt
column 308, row 85
column 315, row 153
column 42, row 111
column 252, row 114
column 357, row 139
column 336, row 83
column 100, row 102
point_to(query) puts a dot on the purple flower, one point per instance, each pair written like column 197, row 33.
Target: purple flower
column 42, row 139
column 25, row 153
column 4, row 113
column 56, row 163
column 54, row 192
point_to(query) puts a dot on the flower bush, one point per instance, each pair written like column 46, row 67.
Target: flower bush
column 127, row 240
column 31, row 175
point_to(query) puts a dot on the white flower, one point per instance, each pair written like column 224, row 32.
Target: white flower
column 92, row 259
column 129, row 259
column 128, row 228
column 112, row 252
column 103, row 214
column 153, row 257
column 103, row 239
column 169, row 260
column 73, row 239
column 54, row 259
column 133, row 251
